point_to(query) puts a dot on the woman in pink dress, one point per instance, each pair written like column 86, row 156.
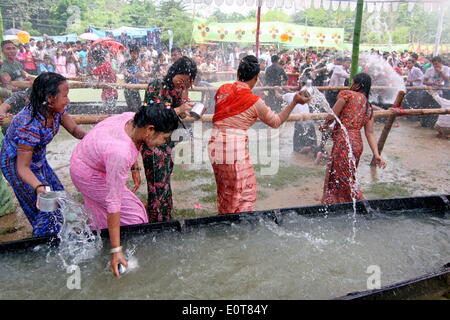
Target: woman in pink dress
column 237, row 108
column 71, row 67
column 59, row 61
column 101, row 162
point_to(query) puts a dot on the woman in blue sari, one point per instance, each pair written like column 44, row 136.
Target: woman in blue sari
column 23, row 154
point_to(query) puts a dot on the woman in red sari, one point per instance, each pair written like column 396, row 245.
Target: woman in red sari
column 237, row 108
column 355, row 112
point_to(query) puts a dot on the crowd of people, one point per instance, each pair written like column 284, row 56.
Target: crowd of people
column 102, row 160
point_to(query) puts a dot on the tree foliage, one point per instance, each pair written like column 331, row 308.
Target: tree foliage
column 54, row 17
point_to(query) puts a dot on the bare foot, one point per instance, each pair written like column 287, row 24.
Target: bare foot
column 319, row 157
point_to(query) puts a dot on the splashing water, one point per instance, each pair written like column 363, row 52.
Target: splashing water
column 319, row 104
column 382, row 74
column 77, row 241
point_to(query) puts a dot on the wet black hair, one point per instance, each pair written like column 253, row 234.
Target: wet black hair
column 98, row 56
column 248, row 68
column 175, row 49
column 134, row 48
column 185, row 66
column 275, row 59
column 45, row 86
column 365, row 83
column 162, row 117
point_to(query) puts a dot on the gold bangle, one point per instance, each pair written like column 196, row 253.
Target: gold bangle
column 135, row 169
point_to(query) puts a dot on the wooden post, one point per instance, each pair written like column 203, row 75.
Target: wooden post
column 388, row 125
column 258, row 25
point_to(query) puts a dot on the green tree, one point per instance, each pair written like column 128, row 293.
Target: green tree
column 275, row 15
column 138, row 13
column 172, row 15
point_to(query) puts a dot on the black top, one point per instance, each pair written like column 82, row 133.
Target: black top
column 275, row 75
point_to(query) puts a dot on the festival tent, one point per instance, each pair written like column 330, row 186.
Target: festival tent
column 288, row 34
column 130, row 31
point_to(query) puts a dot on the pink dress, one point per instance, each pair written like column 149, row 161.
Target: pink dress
column 230, row 158
column 60, row 65
column 99, row 168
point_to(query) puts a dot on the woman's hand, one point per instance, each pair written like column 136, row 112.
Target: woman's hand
column 183, row 110
column 117, row 258
column 39, row 190
column 380, row 162
column 2, row 118
column 325, row 126
column 136, row 175
column 299, row 98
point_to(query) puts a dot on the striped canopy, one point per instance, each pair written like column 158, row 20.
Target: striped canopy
column 369, row 5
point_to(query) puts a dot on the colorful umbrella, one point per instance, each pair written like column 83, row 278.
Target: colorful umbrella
column 111, row 43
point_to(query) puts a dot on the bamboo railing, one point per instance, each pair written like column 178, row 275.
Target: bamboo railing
column 100, row 85
column 96, row 118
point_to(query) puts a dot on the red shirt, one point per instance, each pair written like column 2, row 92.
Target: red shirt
column 106, row 74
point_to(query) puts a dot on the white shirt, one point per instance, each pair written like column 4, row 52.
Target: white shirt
column 443, row 119
column 338, row 77
column 299, row 108
column 433, row 76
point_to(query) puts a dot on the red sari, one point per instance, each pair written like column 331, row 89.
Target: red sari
column 340, row 180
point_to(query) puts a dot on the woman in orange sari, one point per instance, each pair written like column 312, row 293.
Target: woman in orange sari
column 237, row 108
column 355, row 112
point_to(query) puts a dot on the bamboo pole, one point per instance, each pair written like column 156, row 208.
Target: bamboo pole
column 98, row 85
column 356, row 38
column 95, row 118
column 388, row 125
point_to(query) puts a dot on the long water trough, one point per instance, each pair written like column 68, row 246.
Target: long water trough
column 290, row 253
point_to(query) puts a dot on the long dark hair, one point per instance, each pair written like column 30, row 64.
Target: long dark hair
column 365, row 83
column 45, row 86
column 248, row 68
column 184, row 65
column 161, row 116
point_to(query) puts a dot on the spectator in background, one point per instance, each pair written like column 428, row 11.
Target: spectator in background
column 208, row 69
column 175, row 54
column 11, row 69
column 46, row 65
column 29, row 64
column 59, row 61
column 50, row 49
column 71, row 66
column 20, row 56
column 306, row 71
column 33, row 45
column 438, row 74
column 414, row 78
column 337, row 79
column 131, row 71
column 105, row 73
column 82, row 58
column 39, row 53
column 275, row 76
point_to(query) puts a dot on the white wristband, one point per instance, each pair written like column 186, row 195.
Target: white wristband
column 115, row 250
